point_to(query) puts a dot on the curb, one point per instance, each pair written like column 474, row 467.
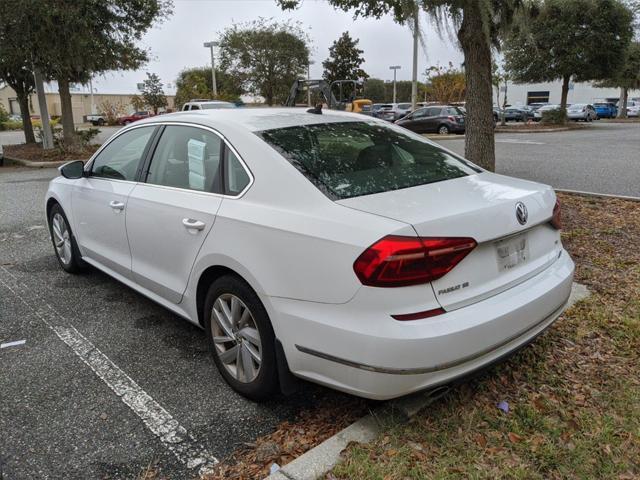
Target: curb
column 594, row 194
column 320, row 459
column 538, row 130
column 29, row 163
column 437, row 136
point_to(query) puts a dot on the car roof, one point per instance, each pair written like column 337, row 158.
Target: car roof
column 257, row 119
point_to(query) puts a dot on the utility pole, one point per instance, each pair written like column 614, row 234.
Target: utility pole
column 311, row 62
column 395, row 68
column 47, row 136
column 414, row 73
column 211, row 45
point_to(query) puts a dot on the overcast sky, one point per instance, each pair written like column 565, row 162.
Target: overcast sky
column 177, row 43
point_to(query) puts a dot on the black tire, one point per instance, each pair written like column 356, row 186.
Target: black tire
column 265, row 384
column 100, row 122
column 443, row 130
column 75, row 263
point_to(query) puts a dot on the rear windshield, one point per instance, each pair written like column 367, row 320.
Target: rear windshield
column 350, row 159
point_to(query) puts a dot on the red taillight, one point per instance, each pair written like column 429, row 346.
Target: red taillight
column 556, row 219
column 398, row 261
column 451, row 119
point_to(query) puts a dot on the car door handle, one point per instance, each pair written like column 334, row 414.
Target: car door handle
column 116, row 205
column 192, row 223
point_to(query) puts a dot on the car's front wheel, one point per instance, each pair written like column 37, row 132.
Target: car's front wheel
column 64, row 243
column 241, row 338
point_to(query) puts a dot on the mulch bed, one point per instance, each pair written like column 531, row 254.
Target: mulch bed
column 35, row 153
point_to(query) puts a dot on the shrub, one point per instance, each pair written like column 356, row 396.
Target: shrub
column 11, row 125
column 4, row 116
column 81, row 141
column 554, row 117
column 112, row 111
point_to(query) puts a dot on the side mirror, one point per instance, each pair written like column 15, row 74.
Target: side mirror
column 72, row 170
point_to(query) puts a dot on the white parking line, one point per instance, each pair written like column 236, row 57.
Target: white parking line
column 161, row 423
column 13, row 344
column 516, row 141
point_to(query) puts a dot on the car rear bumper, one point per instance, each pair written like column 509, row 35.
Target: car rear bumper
column 381, row 358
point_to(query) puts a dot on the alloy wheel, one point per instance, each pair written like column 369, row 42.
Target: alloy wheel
column 236, row 338
column 61, row 238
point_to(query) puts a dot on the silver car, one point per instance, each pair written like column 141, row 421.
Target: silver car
column 582, row 111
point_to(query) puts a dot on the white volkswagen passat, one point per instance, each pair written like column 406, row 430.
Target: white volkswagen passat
column 334, row 247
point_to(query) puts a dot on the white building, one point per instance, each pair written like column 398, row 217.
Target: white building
column 526, row 93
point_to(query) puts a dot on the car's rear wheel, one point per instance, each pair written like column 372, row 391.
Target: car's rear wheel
column 443, row 130
column 64, row 243
column 241, row 338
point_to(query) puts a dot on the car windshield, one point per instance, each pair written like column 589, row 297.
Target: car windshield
column 211, row 106
column 350, row 159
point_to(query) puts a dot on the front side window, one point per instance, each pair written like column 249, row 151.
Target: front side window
column 120, row 159
column 350, row 159
column 187, row 157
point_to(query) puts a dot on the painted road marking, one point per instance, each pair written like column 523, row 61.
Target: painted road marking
column 12, row 344
column 161, row 423
column 516, row 141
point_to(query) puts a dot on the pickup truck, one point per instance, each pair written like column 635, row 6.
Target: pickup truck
column 133, row 117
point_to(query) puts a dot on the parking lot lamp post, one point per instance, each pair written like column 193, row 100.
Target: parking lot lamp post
column 211, row 45
column 395, row 68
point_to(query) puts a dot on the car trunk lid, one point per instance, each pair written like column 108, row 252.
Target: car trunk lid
column 482, row 207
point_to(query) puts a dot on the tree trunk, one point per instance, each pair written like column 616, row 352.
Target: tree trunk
column 479, row 145
column 622, row 103
column 27, row 126
column 565, row 92
column 68, row 127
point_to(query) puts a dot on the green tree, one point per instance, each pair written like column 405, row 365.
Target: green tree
column 196, row 83
column 345, row 60
column 583, row 40
column 479, row 24
column 447, row 84
column 16, row 61
column 72, row 40
column 374, row 90
column 626, row 78
column 264, row 57
column 153, row 94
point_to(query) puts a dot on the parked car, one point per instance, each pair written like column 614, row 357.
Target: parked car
column 537, row 115
column 134, row 117
column 605, row 110
column 394, row 111
column 207, row 105
column 338, row 248
column 15, row 117
column 533, row 107
column 515, row 114
column 375, row 109
column 633, row 108
column 96, row 120
column 582, row 111
column 441, row 119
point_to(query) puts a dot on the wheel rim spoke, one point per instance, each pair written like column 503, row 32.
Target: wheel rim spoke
column 229, row 355
column 251, row 335
column 236, row 338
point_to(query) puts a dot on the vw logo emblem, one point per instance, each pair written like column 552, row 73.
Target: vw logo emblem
column 521, row 213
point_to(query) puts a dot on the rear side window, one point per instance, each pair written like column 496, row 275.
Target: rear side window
column 350, row 159
column 187, row 157
column 237, row 177
column 119, row 160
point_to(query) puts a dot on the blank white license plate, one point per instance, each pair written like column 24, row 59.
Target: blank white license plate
column 512, row 252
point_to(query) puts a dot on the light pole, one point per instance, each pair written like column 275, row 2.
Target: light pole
column 311, row 62
column 210, row 45
column 395, row 68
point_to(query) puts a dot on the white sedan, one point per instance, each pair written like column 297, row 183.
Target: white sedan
column 332, row 247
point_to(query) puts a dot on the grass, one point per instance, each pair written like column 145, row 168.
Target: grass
column 574, row 395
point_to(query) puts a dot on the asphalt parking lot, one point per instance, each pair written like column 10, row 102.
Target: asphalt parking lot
column 107, row 382
column 600, row 158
